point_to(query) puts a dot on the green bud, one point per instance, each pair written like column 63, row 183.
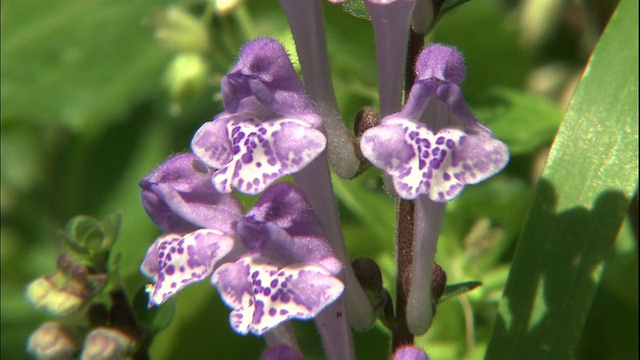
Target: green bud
column 52, row 341
column 89, row 237
column 85, row 234
column 107, row 344
column 369, row 276
column 185, row 76
column 180, row 31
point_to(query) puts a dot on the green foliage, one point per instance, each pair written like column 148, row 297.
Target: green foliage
column 577, row 210
column 86, row 114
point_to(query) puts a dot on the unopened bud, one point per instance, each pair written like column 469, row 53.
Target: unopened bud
column 107, row 344
column 410, row 353
column 180, row 31
column 438, row 282
column 52, row 341
column 365, row 119
column 185, row 76
column 45, row 295
column 369, row 276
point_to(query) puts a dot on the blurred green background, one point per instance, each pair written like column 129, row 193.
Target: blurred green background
column 95, row 94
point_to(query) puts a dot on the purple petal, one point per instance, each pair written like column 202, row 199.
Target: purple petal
column 179, row 197
column 437, row 165
column 211, row 143
column 269, row 241
column 262, row 152
column 262, row 295
column 175, row 261
column 441, row 62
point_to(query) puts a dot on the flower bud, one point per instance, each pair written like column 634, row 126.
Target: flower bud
column 107, row 344
column 52, row 341
column 410, row 353
column 370, row 278
column 186, row 75
column 45, row 295
column 180, row 31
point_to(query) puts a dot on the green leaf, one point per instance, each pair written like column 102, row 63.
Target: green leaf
column 356, row 8
column 523, row 121
column 579, row 205
column 449, row 5
column 80, row 64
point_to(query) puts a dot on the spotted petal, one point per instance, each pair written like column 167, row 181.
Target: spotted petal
column 437, row 165
column 262, row 295
column 175, row 261
column 259, row 152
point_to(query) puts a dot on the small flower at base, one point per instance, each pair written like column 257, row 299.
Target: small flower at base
column 410, row 353
column 53, row 341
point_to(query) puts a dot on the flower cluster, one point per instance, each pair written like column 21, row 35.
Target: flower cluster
column 285, row 257
column 271, row 264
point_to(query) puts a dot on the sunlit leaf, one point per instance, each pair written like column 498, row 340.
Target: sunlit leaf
column 580, row 202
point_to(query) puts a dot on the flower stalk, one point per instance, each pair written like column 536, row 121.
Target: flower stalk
column 307, row 26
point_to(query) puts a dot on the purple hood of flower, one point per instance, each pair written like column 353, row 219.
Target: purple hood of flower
column 179, row 198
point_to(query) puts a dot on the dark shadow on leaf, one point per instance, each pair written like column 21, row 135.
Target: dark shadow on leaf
column 554, row 276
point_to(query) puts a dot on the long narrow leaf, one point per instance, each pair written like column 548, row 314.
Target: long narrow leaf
column 580, row 202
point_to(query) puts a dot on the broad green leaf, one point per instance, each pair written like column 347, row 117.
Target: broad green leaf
column 579, row 205
column 81, row 64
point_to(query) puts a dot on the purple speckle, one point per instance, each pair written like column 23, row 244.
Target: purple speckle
column 273, row 312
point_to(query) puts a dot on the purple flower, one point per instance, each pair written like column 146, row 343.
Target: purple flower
column 434, row 145
column 275, row 265
column 269, row 128
column 286, row 268
column 179, row 198
column 410, row 353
